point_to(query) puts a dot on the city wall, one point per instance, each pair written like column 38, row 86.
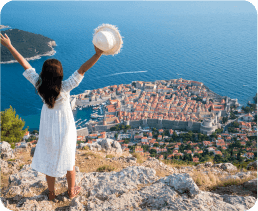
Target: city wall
column 83, row 132
column 166, row 124
column 101, row 128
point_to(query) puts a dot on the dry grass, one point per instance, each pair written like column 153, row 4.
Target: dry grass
column 89, row 161
column 170, row 163
column 140, row 158
column 203, row 181
column 92, row 154
column 210, row 181
column 110, row 156
column 3, row 181
column 162, row 173
column 86, row 148
column 233, row 182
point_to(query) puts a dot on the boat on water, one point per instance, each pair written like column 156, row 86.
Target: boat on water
column 244, row 85
column 80, row 108
column 78, row 120
column 94, row 116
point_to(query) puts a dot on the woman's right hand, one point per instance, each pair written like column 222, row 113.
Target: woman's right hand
column 98, row 51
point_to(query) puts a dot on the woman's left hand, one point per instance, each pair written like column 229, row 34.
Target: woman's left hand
column 5, row 41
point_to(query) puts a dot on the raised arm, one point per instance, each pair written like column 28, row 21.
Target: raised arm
column 87, row 65
column 5, row 41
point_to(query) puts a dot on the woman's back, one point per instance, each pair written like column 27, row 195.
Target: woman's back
column 67, row 85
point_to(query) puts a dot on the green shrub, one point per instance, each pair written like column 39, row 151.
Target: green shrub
column 13, row 145
column 105, row 168
column 110, row 156
column 11, row 160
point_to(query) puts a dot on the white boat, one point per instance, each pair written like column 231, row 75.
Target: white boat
column 80, row 108
column 78, row 120
column 94, row 116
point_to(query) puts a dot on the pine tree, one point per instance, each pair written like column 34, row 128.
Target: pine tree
column 11, row 126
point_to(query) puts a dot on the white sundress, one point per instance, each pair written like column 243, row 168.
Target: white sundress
column 55, row 151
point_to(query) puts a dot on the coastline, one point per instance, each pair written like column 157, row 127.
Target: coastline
column 49, row 53
column 4, row 27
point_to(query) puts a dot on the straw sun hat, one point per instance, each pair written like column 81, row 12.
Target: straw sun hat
column 108, row 39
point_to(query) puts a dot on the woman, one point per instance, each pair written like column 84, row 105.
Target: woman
column 55, row 151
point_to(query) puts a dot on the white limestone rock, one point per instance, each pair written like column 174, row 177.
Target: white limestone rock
column 240, row 201
column 5, row 147
column 7, row 155
column 76, row 205
column 23, row 145
column 228, row 167
column 251, row 185
column 157, row 195
column 36, row 205
column 181, row 183
column 217, row 165
column 208, row 164
column 6, row 151
column 108, row 145
column 3, row 163
column 112, row 191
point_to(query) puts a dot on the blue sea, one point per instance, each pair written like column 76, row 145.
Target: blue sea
column 211, row 42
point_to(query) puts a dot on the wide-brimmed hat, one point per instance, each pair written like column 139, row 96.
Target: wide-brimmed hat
column 108, row 39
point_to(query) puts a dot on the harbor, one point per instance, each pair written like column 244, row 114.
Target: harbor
column 86, row 113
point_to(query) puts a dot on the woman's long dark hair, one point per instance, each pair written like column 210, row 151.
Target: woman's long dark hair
column 49, row 83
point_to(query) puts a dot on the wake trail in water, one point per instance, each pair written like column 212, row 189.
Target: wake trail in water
column 127, row 73
column 124, row 73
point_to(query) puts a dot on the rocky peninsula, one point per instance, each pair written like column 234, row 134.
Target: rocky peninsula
column 31, row 46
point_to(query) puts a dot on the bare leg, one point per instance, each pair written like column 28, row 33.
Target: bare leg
column 70, row 176
column 50, row 182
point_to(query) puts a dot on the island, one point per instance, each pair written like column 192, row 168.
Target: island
column 31, row 46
